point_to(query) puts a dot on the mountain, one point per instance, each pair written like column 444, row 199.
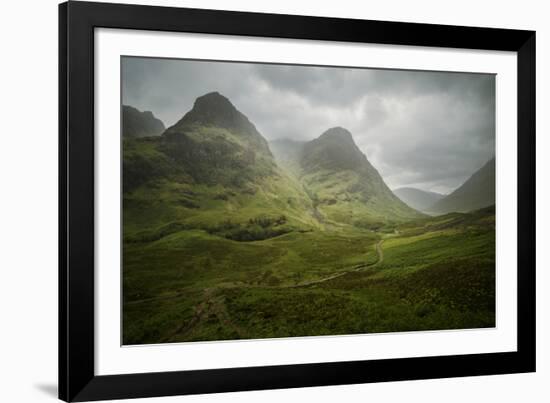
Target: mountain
column 140, row 124
column 211, row 171
column 418, row 199
column 217, row 144
column 345, row 186
column 213, row 110
column 214, row 172
column 334, row 150
column 477, row 192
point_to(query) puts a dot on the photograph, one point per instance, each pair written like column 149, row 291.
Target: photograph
column 280, row 201
column 266, row 201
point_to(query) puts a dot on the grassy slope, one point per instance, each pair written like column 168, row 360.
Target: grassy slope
column 340, row 180
column 477, row 192
column 338, row 200
column 163, row 195
column 436, row 274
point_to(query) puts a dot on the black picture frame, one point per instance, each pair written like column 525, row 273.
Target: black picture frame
column 77, row 379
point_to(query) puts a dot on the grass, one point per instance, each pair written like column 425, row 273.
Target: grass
column 192, row 285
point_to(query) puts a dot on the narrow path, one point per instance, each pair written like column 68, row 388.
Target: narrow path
column 201, row 311
column 361, row 267
column 215, row 305
column 211, row 305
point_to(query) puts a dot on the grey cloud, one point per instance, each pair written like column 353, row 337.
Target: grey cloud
column 431, row 130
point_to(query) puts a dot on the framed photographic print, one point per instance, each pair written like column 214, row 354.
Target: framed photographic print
column 254, row 201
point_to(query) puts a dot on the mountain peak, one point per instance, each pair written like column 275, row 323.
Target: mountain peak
column 334, row 149
column 140, row 124
column 215, row 110
column 337, row 131
column 214, row 101
column 339, row 172
column 340, row 137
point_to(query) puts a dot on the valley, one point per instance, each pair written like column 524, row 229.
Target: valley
column 226, row 236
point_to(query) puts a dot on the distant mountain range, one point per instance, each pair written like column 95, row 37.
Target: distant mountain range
column 140, row 124
column 477, row 192
column 420, row 200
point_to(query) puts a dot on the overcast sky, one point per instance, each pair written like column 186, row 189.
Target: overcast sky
column 428, row 130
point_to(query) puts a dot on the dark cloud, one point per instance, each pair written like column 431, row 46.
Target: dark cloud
column 431, row 130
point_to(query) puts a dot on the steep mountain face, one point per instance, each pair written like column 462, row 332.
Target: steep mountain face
column 213, row 110
column 477, row 192
column 212, row 144
column 344, row 184
column 213, row 171
column 334, row 150
column 420, row 200
column 140, row 124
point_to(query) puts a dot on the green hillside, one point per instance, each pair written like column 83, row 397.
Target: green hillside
column 477, row 192
column 212, row 175
column 345, row 186
column 434, row 273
